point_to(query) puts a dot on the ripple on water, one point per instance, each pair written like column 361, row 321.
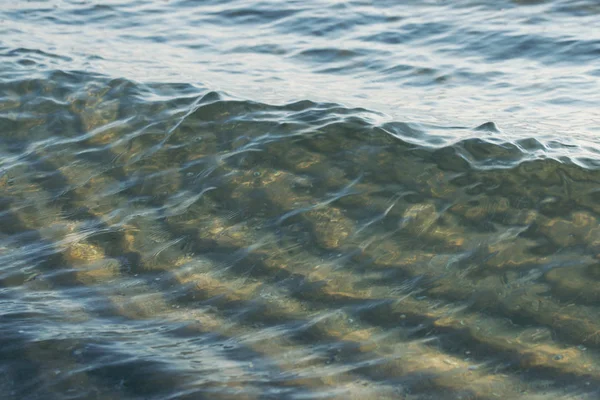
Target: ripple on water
column 350, row 200
column 282, row 242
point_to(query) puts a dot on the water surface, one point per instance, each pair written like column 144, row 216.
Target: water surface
column 299, row 200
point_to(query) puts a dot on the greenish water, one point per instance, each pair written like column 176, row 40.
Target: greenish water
column 332, row 200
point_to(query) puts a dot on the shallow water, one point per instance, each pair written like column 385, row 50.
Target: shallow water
column 299, row 200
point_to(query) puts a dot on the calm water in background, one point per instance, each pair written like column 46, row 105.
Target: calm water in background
column 300, row 200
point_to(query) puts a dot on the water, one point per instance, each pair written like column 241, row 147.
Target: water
column 299, row 200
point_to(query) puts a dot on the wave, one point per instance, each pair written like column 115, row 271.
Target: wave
column 167, row 216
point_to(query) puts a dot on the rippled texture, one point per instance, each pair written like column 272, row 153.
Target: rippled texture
column 299, row 200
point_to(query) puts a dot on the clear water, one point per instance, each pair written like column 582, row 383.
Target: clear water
column 300, row 200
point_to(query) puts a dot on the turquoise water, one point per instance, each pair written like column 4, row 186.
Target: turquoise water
column 299, row 200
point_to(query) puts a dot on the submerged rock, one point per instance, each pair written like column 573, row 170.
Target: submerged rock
column 577, row 283
column 330, row 227
column 580, row 228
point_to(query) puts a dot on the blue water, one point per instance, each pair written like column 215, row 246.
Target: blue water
column 299, row 200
